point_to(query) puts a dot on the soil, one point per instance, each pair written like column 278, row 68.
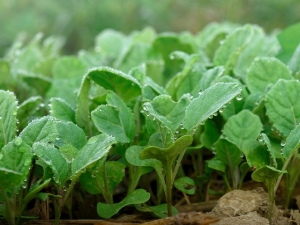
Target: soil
column 238, row 207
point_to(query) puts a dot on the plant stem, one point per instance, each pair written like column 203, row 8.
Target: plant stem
column 270, row 184
column 178, row 163
column 10, row 209
column 109, row 196
column 169, row 180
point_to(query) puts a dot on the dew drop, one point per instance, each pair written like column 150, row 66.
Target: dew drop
column 191, row 97
column 239, row 97
column 282, row 143
column 1, row 156
column 242, row 155
column 260, row 138
column 14, row 113
column 211, row 116
column 200, row 92
column 0, row 117
column 215, row 114
column 153, row 118
column 176, row 132
column 42, row 105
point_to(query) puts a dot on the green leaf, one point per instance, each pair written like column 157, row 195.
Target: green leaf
column 283, row 107
column 228, row 153
column 210, row 135
column 242, row 128
column 40, row 83
column 216, row 164
column 61, row 110
column 5, row 72
column 115, row 119
column 96, row 148
column 167, row 154
column 289, row 39
column 15, row 162
column 234, row 44
column 272, row 153
column 114, row 174
column 40, row 130
column 54, row 159
column 82, row 112
column 186, row 185
column 124, row 85
column 69, row 152
column 264, row 72
column 8, row 114
column 136, row 197
column 266, row 173
column 294, row 63
column 27, row 110
column 166, row 111
column 68, row 72
column 210, row 76
column 256, row 154
column 208, row 103
column 292, row 143
column 160, row 211
column 75, row 138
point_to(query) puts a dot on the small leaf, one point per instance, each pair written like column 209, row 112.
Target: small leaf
column 228, row 153
column 266, row 71
column 266, row 173
column 136, row 197
column 210, row 135
column 124, row 85
column 40, row 83
column 216, row 164
column 160, row 211
column 208, row 103
column 186, row 185
column 96, row 148
column 167, row 154
column 54, row 159
column 115, row 119
column 292, row 143
column 283, row 106
column 242, row 128
column 294, row 63
column 61, row 110
column 272, row 153
column 8, row 114
column 15, row 162
column 40, row 130
column 256, row 154
column 166, row 111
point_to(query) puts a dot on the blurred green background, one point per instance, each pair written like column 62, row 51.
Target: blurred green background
column 79, row 21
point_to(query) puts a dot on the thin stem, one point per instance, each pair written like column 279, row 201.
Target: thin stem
column 270, row 185
column 178, row 163
column 110, row 200
column 10, row 210
column 283, row 168
column 226, row 181
column 169, row 182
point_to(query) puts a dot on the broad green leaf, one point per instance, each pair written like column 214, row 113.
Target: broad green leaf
column 68, row 72
column 242, row 128
column 8, row 117
column 236, row 105
column 228, row 153
column 210, row 135
column 27, row 110
column 110, row 42
column 292, row 143
column 260, row 45
column 69, row 133
column 15, row 163
column 210, row 76
column 40, row 130
column 108, row 210
column 82, row 112
column 115, row 119
column 289, row 39
column 54, row 159
column 69, row 152
column 114, row 174
column 167, row 154
column 165, row 44
column 283, row 106
column 166, row 111
column 264, row 72
column 96, row 148
column 228, row 53
column 124, row 85
column 208, row 103
column 61, row 110
column 186, row 185
column 216, row 164
column 44, row 67
column 266, row 173
column 40, row 83
column 160, row 211
column 256, row 154
column 5, row 72
column 294, row 63
column 266, row 140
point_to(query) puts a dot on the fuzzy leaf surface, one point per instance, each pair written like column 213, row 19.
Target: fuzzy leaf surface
column 292, row 143
column 61, row 110
column 228, row 152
